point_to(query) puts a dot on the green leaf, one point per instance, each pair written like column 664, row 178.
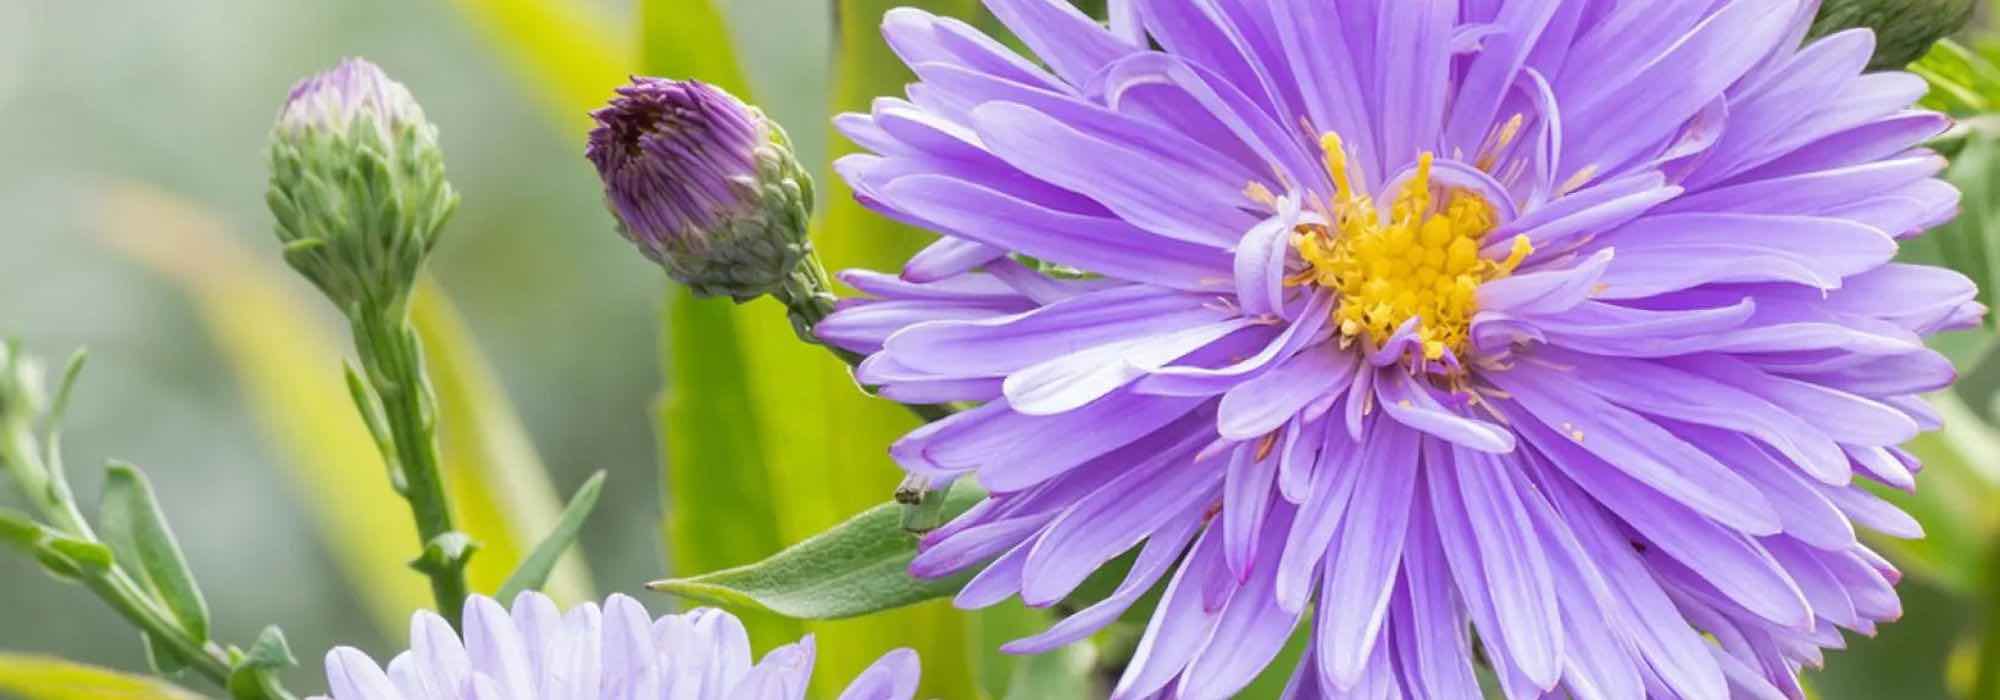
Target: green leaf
column 90, row 557
column 535, row 569
column 16, row 527
column 854, row 569
column 1963, row 82
column 33, row 677
column 160, row 657
column 254, row 674
column 132, row 523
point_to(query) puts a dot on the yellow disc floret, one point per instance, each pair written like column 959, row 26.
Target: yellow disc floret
column 1421, row 260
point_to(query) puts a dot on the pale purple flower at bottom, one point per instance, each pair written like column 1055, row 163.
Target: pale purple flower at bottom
column 619, row 651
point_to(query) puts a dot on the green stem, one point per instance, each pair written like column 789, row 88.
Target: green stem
column 49, row 492
column 808, row 298
column 124, row 595
column 394, row 363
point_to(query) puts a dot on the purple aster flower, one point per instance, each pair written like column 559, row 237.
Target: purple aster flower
column 537, row 651
column 704, row 184
column 1568, row 329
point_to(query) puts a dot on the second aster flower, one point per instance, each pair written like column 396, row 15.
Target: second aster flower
column 1572, row 325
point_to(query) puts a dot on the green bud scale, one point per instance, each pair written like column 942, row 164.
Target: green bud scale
column 357, row 185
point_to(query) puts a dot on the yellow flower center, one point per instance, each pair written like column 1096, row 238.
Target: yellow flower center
column 1421, row 261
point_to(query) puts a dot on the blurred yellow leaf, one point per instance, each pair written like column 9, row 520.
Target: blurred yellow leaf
column 570, row 51
column 34, row 677
column 287, row 358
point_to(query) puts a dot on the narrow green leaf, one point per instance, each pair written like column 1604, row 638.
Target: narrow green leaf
column 64, row 389
column 535, row 569
column 16, row 527
column 33, row 677
column 160, row 657
column 854, row 569
column 1962, row 81
column 254, row 673
column 90, row 557
column 138, row 532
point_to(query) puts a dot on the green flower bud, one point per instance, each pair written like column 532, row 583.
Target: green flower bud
column 705, row 185
column 1904, row 29
column 357, row 185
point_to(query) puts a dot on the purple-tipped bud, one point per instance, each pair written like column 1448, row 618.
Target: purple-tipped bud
column 704, row 184
column 357, row 184
column 355, row 88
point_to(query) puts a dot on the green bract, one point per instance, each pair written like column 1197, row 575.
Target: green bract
column 357, row 185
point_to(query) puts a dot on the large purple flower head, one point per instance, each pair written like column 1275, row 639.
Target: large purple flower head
column 704, row 184
column 1565, row 326
column 619, row 652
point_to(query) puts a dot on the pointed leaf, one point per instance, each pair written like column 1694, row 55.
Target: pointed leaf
column 132, row 523
column 856, row 568
column 534, row 571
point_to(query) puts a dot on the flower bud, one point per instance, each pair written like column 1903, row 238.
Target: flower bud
column 357, row 184
column 704, row 184
column 1904, row 29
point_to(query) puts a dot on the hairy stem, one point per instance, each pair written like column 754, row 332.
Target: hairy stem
column 394, row 363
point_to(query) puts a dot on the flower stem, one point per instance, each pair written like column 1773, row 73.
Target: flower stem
column 394, row 364
column 808, row 298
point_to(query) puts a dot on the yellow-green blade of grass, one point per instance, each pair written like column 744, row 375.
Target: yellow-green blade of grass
column 35, row 677
column 839, row 464
column 569, row 49
column 720, row 510
column 287, row 360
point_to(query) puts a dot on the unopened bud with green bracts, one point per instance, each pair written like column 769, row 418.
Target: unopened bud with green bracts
column 705, row 185
column 357, row 185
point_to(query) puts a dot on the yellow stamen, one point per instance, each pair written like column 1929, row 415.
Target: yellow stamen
column 1420, row 261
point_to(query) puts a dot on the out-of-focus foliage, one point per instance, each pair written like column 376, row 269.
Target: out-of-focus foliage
column 32, row 677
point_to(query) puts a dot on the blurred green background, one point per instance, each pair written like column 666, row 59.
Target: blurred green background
column 132, row 175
